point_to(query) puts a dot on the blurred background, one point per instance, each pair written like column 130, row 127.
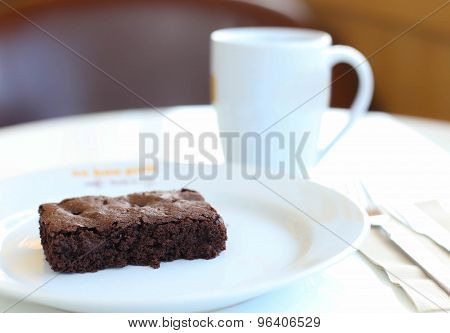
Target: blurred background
column 64, row 57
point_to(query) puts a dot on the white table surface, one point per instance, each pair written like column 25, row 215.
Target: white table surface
column 399, row 161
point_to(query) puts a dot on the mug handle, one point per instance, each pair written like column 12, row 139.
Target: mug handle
column 346, row 54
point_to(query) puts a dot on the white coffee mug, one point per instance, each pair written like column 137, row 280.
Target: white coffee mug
column 272, row 79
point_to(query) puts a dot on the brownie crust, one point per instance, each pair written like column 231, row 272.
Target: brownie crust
column 91, row 233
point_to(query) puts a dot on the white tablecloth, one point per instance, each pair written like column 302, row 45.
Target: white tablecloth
column 396, row 161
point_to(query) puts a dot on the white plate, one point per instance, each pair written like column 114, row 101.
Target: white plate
column 271, row 243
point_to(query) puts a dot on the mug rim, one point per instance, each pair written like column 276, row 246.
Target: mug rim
column 248, row 36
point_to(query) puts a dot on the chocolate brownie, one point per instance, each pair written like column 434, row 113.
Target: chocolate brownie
column 90, row 233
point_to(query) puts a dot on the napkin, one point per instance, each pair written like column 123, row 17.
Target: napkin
column 424, row 293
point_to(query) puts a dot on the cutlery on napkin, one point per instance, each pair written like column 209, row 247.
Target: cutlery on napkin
column 411, row 260
column 426, row 259
column 424, row 293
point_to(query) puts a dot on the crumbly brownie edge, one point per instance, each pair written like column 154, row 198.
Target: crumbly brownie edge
column 88, row 250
